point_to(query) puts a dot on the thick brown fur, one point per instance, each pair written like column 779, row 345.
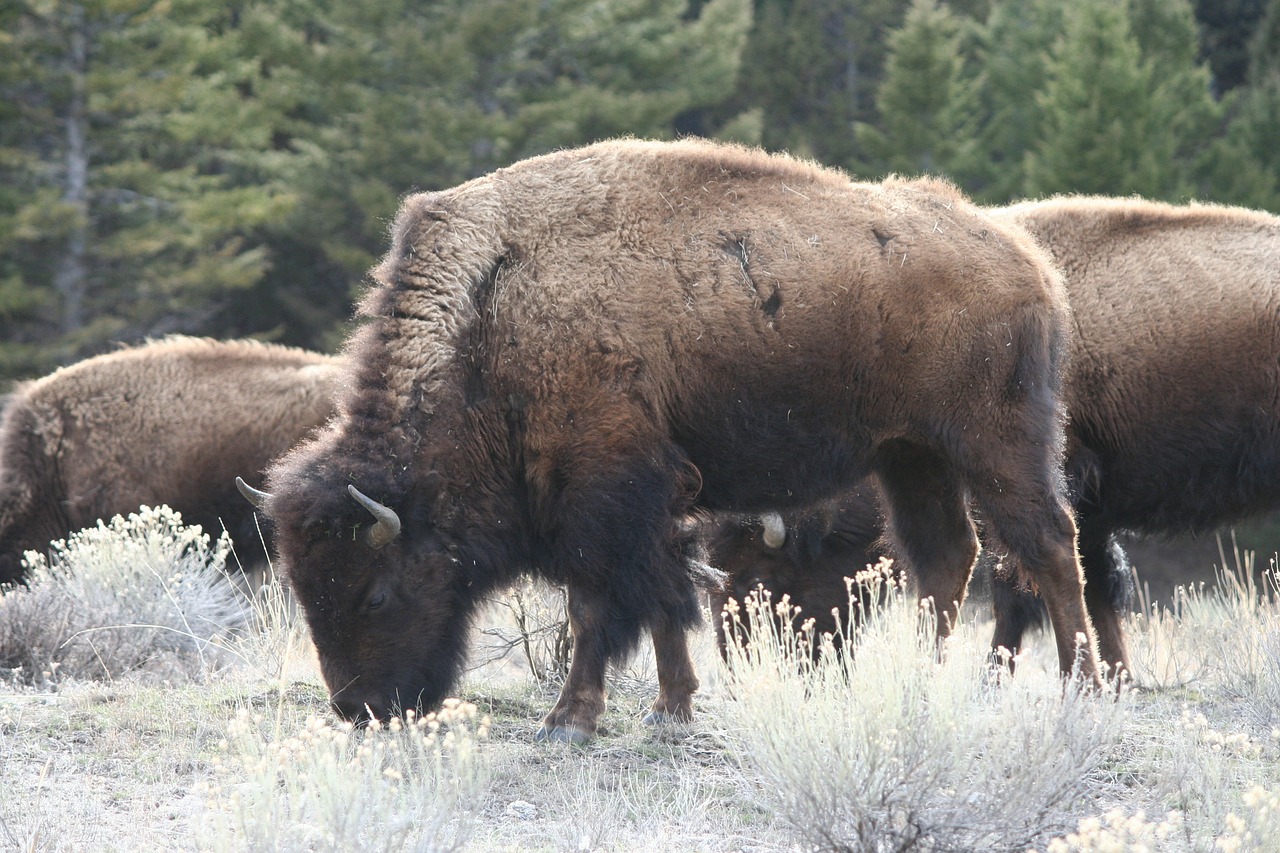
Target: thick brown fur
column 1174, row 386
column 1173, row 390
column 169, row 422
column 567, row 356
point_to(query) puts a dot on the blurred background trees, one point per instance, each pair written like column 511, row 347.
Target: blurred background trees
column 230, row 169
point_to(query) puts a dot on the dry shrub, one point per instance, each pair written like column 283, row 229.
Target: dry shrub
column 1254, row 827
column 1234, row 645
column 412, row 785
column 886, row 749
column 142, row 593
column 529, row 621
column 1218, row 649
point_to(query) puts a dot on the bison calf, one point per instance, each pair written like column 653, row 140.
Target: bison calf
column 168, row 422
column 566, row 357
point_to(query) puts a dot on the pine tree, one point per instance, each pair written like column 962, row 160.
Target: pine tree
column 426, row 96
column 1227, row 27
column 1013, row 51
column 1099, row 132
column 926, row 102
column 813, row 70
column 1184, row 109
column 131, row 218
column 230, row 169
column 1244, row 166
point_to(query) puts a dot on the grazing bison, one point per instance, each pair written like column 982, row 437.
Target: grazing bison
column 1173, row 391
column 563, row 358
column 804, row 554
column 167, row 422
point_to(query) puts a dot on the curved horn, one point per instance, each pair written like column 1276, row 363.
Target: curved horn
column 775, row 531
column 257, row 497
column 388, row 526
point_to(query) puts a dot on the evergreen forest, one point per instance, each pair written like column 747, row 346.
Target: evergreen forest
column 229, row 169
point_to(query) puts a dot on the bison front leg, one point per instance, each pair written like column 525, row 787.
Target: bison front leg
column 612, row 525
column 582, row 699
column 1108, row 589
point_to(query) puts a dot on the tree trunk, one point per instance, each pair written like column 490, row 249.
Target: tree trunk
column 72, row 273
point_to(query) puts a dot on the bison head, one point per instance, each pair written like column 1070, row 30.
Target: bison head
column 382, row 591
column 805, row 556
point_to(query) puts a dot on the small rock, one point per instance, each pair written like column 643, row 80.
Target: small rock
column 521, row 810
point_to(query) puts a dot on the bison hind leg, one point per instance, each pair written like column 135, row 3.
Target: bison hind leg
column 928, row 525
column 1027, row 514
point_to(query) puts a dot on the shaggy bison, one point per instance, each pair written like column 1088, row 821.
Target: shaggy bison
column 563, row 358
column 1173, row 394
column 168, row 422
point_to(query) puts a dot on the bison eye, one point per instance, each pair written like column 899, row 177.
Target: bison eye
column 375, row 601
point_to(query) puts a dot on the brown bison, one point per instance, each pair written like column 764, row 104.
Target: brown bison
column 810, row 555
column 564, row 358
column 805, row 554
column 167, row 422
column 1173, row 395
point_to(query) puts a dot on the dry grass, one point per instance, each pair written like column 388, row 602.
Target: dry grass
column 413, row 785
column 220, row 738
column 916, row 754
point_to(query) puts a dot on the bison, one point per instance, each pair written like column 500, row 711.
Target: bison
column 564, row 358
column 804, row 554
column 169, row 422
column 1173, row 396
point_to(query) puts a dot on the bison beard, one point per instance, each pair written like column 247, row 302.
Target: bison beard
column 564, row 359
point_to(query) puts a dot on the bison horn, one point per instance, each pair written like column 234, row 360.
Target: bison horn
column 388, row 526
column 257, row 497
column 775, row 531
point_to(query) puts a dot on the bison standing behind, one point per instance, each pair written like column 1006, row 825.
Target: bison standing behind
column 805, row 555
column 565, row 357
column 169, row 422
column 1173, row 396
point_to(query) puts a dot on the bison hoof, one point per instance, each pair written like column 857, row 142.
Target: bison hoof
column 562, row 734
column 664, row 718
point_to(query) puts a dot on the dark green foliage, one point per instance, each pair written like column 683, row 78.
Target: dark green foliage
column 927, row 103
column 812, row 68
column 230, row 169
column 1098, row 134
column 1012, row 53
column 1227, row 26
column 240, row 162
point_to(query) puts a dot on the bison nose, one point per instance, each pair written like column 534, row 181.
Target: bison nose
column 358, row 711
